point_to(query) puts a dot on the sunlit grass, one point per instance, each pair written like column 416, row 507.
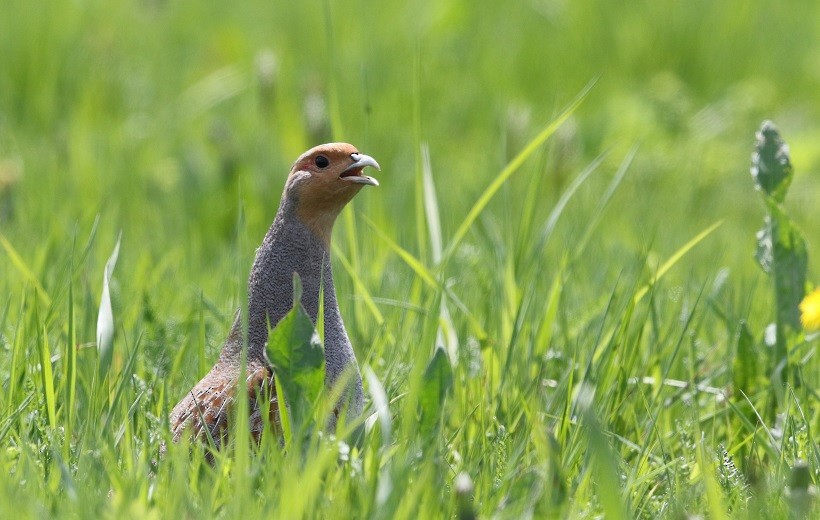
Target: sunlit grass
column 555, row 244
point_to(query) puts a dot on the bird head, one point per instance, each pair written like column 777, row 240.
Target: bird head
column 323, row 180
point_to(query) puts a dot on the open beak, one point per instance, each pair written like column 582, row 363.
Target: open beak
column 353, row 173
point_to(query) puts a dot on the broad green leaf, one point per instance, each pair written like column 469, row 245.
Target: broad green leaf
column 437, row 380
column 298, row 361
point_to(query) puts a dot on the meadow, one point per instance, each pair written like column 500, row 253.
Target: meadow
column 553, row 294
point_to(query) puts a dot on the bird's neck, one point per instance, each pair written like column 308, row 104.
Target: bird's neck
column 291, row 246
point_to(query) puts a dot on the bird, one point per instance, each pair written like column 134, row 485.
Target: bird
column 320, row 183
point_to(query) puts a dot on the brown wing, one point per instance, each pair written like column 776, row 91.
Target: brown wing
column 261, row 388
column 206, row 410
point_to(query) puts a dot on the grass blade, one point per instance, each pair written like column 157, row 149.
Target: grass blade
column 680, row 253
column 124, row 380
column 361, row 289
column 419, row 147
column 511, row 168
column 105, row 318
column 604, row 460
column 558, row 210
column 21, row 266
column 47, row 376
column 70, row 376
column 412, row 262
column 545, row 327
column 431, row 205
column 620, row 174
column 17, row 357
column 9, row 420
column 379, row 397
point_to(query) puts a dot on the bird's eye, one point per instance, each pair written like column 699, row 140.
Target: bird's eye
column 321, row 161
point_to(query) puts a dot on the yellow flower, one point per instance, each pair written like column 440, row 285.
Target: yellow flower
column 810, row 311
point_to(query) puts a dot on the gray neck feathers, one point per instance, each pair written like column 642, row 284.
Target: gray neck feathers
column 290, row 247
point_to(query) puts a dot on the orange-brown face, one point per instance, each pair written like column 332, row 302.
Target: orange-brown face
column 323, row 180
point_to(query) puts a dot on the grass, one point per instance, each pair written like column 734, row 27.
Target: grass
column 606, row 344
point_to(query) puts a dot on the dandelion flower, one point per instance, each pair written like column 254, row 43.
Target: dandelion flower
column 810, row 311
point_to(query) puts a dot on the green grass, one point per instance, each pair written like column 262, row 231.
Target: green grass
column 608, row 355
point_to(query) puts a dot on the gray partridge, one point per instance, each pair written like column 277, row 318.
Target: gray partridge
column 321, row 182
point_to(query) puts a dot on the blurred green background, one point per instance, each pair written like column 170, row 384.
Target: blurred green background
column 164, row 118
column 176, row 123
column 151, row 113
